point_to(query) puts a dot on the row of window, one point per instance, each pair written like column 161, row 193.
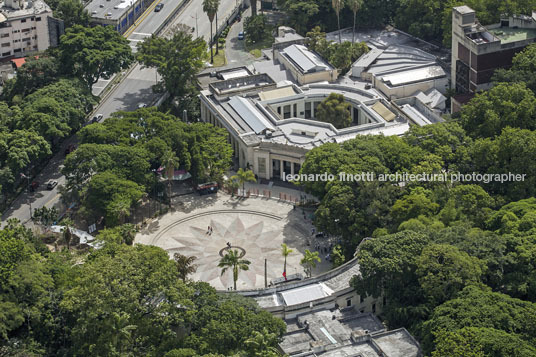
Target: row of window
column 307, row 114
column 18, row 50
column 25, row 30
column 33, row 18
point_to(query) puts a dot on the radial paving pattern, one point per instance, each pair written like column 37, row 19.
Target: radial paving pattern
column 260, row 235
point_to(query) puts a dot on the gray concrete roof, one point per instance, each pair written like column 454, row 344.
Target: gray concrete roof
column 30, row 8
column 112, row 9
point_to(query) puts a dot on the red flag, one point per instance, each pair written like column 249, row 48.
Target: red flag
column 285, row 275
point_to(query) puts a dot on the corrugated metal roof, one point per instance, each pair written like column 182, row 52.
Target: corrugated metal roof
column 305, row 59
column 254, row 119
column 415, row 116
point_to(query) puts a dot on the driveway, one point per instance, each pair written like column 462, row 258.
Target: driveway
column 234, row 48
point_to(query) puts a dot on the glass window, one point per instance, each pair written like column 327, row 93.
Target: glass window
column 307, row 110
column 286, row 112
column 295, row 112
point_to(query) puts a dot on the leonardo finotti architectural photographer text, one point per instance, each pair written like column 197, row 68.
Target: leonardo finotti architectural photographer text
column 408, row 177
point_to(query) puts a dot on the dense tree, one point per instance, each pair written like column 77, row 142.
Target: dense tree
column 105, row 189
column 444, row 270
column 91, row 53
column 35, row 73
column 504, row 105
column 300, row 12
column 72, row 12
column 257, row 28
column 523, row 69
column 480, row 342
column 388, row 266
column 334, row 110
column 481, row 308
column 177, row 60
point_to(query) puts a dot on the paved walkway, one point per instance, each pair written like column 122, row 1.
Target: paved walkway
column 256, row 226
column 234, row 48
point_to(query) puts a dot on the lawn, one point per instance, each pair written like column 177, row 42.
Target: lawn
column 219, row 59
column 255, row 48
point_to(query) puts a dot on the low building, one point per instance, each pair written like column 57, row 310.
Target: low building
column 400, row 71
column 423, row 108
column 272, row 125
column 306, row 66
column 345, row 332
column 27, row 27
column 477, row 51
column 121, row 14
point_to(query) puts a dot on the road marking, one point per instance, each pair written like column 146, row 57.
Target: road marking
column 52, row 199
column 140, row 19
column 141, row 34
column 135, row 40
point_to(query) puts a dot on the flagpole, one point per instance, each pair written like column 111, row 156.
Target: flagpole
column 265, row 276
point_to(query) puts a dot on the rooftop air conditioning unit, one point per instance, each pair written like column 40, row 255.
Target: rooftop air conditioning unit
column 94, row 12
column 101, row 6
column 116, row 7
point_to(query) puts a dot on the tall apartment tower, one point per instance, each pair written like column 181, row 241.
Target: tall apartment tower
column 477, row 51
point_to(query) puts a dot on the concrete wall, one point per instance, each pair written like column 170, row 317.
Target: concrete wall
column 441, row 84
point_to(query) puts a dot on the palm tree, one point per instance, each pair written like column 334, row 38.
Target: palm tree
column 309, row 261
column 232, row 260
column 285, row 250
column 122, row 330
column 355, row 5
column 67, row 224
column 243, row 176
column 170, row 162
column 185, row 265
column 121, row 207
column 337, row 5
column 261, row 344
column 210, row 7
column 253, row 7
column 217, row 5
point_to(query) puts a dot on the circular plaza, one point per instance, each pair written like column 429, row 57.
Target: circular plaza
column 208, row 227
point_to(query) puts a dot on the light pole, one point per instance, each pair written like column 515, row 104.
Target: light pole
column 196, row 27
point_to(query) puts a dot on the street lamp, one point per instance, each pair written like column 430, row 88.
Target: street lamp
column 196, row 27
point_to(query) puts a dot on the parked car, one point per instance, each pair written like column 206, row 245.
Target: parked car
column 97, row 118
column 241, row 35
column 158, row 7
column 207, row 188
column 142, row 105
column 51, row 184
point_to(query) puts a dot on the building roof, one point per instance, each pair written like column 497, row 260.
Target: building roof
column 347, row 333
column 305, row 60
column 464, row 9
column 433, row 98
column 277, row 93
column 306, row 294
column 30, row 8
column 383, row 111
column 256, row 121
column 510, row 34
column 104, row 9
column 414, row 114
column 368, row 58
column 413, row 76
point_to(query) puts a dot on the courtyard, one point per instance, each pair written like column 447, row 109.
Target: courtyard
column 206, row 226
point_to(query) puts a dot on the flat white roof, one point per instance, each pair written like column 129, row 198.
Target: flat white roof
column 234, row 74
column 305, row 294
column 415, row 75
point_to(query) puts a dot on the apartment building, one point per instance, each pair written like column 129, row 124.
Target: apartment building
column 27, row 27
column 477, row 51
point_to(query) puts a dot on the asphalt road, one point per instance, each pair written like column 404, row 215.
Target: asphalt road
column 133, row 90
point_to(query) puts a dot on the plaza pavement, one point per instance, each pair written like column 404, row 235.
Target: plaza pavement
column 257, row 225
